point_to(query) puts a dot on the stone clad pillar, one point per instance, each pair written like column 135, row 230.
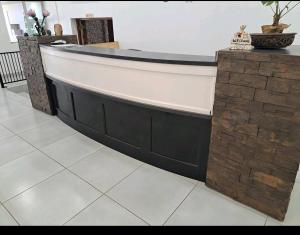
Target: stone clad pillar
column 33, row 68
column 255, row 141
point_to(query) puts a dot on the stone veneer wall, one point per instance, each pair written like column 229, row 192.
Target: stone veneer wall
column 33, row 68
column 97, row 31
column 255, row 141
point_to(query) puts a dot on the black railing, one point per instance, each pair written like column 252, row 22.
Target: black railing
column 10, row 68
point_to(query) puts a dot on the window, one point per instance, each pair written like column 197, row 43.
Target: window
column 17, row 22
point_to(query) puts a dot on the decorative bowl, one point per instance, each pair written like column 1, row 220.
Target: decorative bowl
column 272, row 40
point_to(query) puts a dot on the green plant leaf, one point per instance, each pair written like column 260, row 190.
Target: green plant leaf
column 268, row 3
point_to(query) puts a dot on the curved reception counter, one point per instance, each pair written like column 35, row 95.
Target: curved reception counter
column 155, row 107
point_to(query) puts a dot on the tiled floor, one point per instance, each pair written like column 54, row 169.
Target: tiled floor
column 53, row 175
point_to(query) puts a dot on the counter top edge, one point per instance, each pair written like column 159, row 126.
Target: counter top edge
column 143, row 56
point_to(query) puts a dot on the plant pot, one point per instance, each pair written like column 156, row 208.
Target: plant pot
column 272, row 40
column 274, row 29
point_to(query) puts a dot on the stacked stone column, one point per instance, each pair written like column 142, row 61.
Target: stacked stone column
column 33, row 68
column 255, row 141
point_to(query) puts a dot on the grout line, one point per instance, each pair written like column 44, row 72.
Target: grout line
column 26, row 114
column 5, row 119
column 22, row 154
column 56, row 173
column 83, row 209
column 21, row 103
column 266, row 220
column 11, row 214
column 104, row 193
column 181, row 203
column 13, row 99
column 82, row 179
column 197, row 182
column 4, row 127
column 37, row 148
column 127, row 209
column 38, row 126
column 64, row 169
column 93, row 185
column 78, row 161
column 235, row 202
column 121, row 180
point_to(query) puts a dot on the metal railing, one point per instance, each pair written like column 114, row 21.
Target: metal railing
column 10, row 68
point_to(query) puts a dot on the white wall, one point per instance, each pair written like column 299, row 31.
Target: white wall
column 5, row 44
column 176, row 27
column 15, row 13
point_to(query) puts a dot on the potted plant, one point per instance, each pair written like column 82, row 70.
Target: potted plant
column 279, row 13
column 273, row 36
column 40, row 27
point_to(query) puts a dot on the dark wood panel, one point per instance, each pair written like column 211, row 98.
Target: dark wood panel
column 172, row 140
column 63, row 100
column 88, row 109
column 179, row 137
column 128, row 123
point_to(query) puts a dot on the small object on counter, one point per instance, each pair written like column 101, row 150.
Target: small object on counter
column 241, row 40
column 58, row 30
column 48, row 32
column 58, row 42
column 89, row 15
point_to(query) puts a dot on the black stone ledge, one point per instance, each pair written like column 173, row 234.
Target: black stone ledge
column 293, row 50
column 145, row 56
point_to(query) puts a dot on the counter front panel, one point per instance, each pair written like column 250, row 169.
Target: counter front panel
column 174, row 141
column 157, row 113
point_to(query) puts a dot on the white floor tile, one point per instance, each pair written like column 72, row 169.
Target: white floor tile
column 12, row 148
column 104, row 168
column 207, row 207
column 151, row 193
column 47, row 133
column 53, row 202
column 292, row 217
column 293, row 214
column 273, row 222
column 4, row 102
column 12, row 109
column 26, row 121
column 5, row 218
column 4, row 133
column 20, row 98
column 22, row 173
column 7, row 104
column 25, row 95
column 71, row 149
column 105, row 212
